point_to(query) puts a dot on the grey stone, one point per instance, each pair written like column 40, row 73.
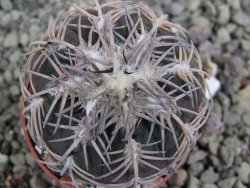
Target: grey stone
column 193, row 5
column 15, row 15
column 245, row 5
column 196, row 168
column 232, row 142
column 209, row 176
column 30, row 159
column 213, row 147
column 211, row 8
column 8, row 76
column 242, row 100
column 36, row 182
column 15, row 144
column 3, row 162
column 24, row 39
column 227, row 183
column 1, row 80
column 194, row 183
column 1, row 40
column 214, row 160
column 241, row 18
column 196, row 156
column 11, row 40
column 224, row 14
column 208, row 185
column 15, row 57
column 20, row 169
column 231, row 27
column 14, row 90
column 245, row 44
column 199, row 33
column 34, row 32
column 244, row 172
column 239, row 184
column 6, row 5
column 246, row 118
column 211, row 48
column 180, row 177
column 212, row 125
column 5, row 19
column 231, row 118
column 18, row 159
column 10, row 134
column 223, row 36
column 227, row 156
column 235, row 4
column 201, row 21
column 176, row 8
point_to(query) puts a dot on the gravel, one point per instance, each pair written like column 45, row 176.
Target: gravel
column 223, row 36
column 196, row 156
column 224, row 13
column 235, row 4
column 11, row 40
column 241, row 18
column 244, row 172
column 3, row 162
column 227, row 183
column 6, row 5
column 220, row 30
column 209, row 176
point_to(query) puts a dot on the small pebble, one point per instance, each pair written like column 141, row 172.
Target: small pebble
column 18, row 159
column 15, row 57
column 239, row 185
column 194, row 183
column 24, row 39
column 36, row 182
column 15, row 15
column 209, row 176
column 235, row 4
column 11, row 40
column 5, row 20
column 176, row 8
column 201, row 21
column 193, row 5
column 226, row 155
column 8, row 76
column 196, row 156
column 180, row 177
column 30, row 159
column 3, row 162
column 227, row 183
column 14, row 90
column 196, row 168
column 244, row 172
column 207, row 185
column 246, row 118
column 223, row 36
column 199, row 33
column 245, row 44
column 6, row 5
column 241, row 18
column 224, row 14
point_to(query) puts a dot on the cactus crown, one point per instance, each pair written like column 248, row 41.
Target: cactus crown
column 114, row 95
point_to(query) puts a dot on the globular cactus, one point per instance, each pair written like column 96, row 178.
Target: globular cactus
column 114, row 96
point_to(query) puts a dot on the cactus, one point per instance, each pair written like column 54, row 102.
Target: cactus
column 114, row 95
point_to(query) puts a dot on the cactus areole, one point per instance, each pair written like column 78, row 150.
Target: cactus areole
column 113, row 96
